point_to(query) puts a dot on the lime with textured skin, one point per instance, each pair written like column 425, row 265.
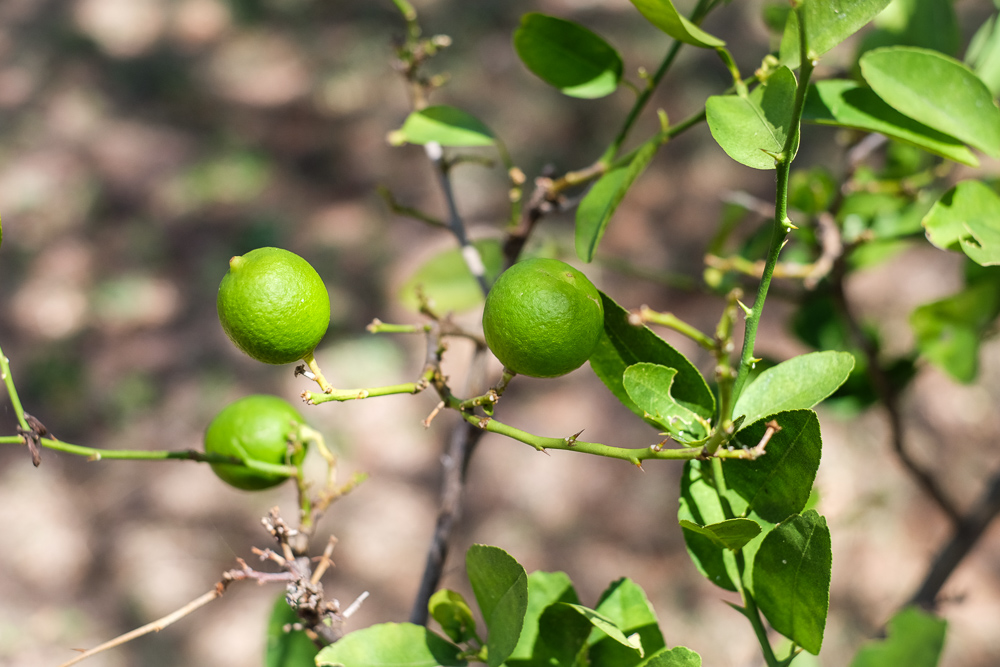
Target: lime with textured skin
column 543, row 318
column 273, row 305
column 257, row 428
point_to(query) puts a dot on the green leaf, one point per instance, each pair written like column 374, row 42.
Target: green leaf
column 627, row 606
column 983, row 54
column 568, row 56
column 561, row 638
column 730, row 534
column 969, row 200
column 914, row 638
column 445, row 125
column 983, row 245
column 287, row 649
column 753, row 128
column 452, row 612
column 791, row 575
column 949, row 331
column 777, row 484
column 665, row 16
column 602, row 200
column 931, row 24
column 501, row 588
column 544, row 590
column 391, row 645
column 967, row 218
column 447, row 281
column 622, row 345
column 608, row 627
column 648, row 385
column 936, row 90
column 796, row 384
column 843, row 103
column 700, row 505
column 678, row 656
column 828, row 23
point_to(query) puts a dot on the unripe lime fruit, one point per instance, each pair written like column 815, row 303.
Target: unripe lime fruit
column 273, row 305
column 254, row 428
column 543, row 318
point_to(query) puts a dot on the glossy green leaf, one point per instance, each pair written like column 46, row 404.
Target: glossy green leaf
column 751, row 129
column 622, row 345
column 983, row 246
column 452, row 612
column 949, row 331
column 843, row 103
column 561, row 638
column 287, row 649
column 568, row 56
column 914, row 638
column 446, row 280
column 602, row 200
column 983, row 54
column 828, row 23
column 946, row 222
column 608, row 627
column 445, row 125
column 936, row 90
column 665, row 16
column 501, row 588
column 700, row 505
column 391, row 645
column 931, row 24
column 791, row 574
column 777, row 484
column 730, row 534
column 796, row 384
column 648, row 385
column 678, row 656
column 626, row 605
column 544, row 590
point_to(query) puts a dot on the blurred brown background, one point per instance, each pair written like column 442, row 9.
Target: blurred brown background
column 144, row 142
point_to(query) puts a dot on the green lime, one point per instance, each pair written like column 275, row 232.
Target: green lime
column 255, row 428
column 273, row 305
column 543, row 318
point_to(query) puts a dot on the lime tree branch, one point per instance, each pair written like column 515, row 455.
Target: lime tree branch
column 781, row 224
column 633, row 456
column 97, row 454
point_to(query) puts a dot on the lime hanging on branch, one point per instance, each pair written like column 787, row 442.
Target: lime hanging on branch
column 543, row 318
column 257, row 428
column 273, row 305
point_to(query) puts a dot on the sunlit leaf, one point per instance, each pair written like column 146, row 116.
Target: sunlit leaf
column 753, row 129
column 936, row 90
column 828, row 23
column 568, row 56
column 444, row 125
column 792, row 579
column 799, row 383
column 846, row 103
column 399, row 644
column 665, row 16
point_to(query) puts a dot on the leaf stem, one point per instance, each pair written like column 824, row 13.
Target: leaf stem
column 635, row 456
column 697, row 15
column 315, row 398
column 781, row 225
column 95, row 454
column 8, row 379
